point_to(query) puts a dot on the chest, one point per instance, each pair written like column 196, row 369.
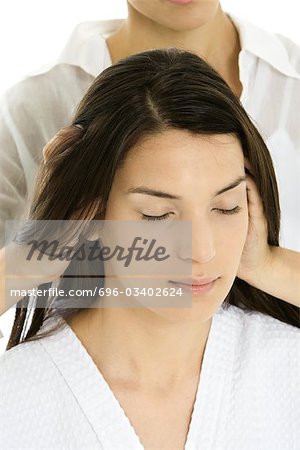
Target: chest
column 160, row 421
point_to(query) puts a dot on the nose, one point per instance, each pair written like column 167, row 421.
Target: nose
column 200, row 246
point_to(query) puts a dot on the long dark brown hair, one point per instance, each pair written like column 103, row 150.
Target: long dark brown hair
column 141, row 95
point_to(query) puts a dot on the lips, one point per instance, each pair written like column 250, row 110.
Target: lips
column 194, row 281
column 195, row 286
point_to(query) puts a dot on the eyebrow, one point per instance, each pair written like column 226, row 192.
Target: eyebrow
column 146, row 191
column 232, row 185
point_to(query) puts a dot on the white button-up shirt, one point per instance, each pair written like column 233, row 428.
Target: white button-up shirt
column 37, row 107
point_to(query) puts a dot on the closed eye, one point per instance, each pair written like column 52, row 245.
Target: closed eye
column 229, row 212
column 153, row 218
column 235, row 210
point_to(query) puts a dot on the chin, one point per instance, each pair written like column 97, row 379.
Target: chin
column 197, row 312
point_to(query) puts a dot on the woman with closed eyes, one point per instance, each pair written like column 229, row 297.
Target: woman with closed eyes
column 255, row 64
column 157, row 140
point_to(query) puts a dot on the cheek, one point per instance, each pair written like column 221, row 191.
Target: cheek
column 232, row 237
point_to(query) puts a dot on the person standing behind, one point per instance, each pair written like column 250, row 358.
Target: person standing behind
column 261, row 68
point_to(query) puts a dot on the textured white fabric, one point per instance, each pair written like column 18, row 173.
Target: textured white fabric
column 52, row 395
column 36, row 108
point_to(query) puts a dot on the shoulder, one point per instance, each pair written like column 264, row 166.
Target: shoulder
column 84, row 55
column 33, row 110
column 270, row 49
column 37, row 406
column 29, row 368
column 265, row 348
column 291, row 49
column 263, row 378
column 55, row 89
column 258, row 326
column 24, row 370
column 30, row 388
column 27, row 381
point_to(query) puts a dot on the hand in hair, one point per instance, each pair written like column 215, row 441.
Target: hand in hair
column 17, row 271
column 256, row 253
column 274, row 270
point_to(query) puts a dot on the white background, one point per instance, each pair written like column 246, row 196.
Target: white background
column 33, row 32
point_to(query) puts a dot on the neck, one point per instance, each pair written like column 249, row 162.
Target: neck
column 136, row 347
column 216, row 41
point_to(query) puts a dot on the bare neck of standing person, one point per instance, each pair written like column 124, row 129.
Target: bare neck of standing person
column 217, row 41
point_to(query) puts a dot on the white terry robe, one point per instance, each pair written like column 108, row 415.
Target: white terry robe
column 52, row 396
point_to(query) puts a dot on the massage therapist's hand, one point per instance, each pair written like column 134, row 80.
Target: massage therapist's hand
column 274, row 270
column 257, row 253
column 24, row 267
column 17, row 271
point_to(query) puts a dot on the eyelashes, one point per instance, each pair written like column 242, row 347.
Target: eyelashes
column 228, row 212
column 154, row 218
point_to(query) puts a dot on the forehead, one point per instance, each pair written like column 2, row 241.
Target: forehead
column 178, row 148
column 182, row 163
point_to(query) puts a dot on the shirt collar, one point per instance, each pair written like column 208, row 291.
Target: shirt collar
column 86, row 48
column 88, row 40
column 85, row 43
column 264, row 45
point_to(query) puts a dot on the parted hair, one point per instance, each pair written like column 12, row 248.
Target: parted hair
column 142, row 95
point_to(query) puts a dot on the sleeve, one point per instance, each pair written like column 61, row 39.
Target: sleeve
column 31, row 112
column 12, row 179
column 23, row 118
